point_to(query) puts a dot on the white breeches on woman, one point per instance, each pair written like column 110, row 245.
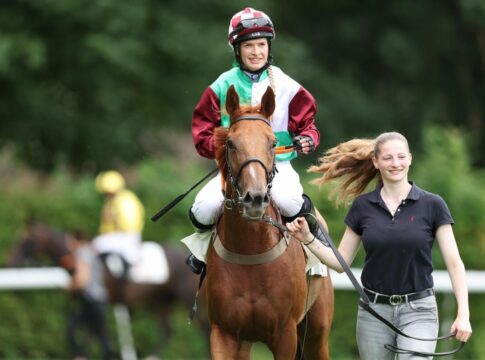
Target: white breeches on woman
column 286, row 192
column 126, row 244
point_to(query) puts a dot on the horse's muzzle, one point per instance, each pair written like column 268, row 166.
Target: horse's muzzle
column 255, row 204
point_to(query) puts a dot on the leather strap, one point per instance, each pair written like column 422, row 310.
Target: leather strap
column 255, row 259
column 397, row 299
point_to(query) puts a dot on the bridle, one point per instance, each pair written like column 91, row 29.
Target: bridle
column 236, row 201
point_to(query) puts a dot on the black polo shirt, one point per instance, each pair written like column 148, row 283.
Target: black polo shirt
column 398, row 248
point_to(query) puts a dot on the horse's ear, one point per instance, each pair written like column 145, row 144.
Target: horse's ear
column 232, row 101
column 268, row 102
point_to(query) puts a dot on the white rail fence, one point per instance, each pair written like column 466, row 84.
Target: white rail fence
column 54, row 277
column 58, row 278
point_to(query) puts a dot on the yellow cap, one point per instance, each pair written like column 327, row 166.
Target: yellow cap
column 110, row 182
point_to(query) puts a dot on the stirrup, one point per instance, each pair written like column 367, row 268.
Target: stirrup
column 195, row 265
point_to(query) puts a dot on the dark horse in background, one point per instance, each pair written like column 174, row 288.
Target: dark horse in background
column 41, row 243
column 257, row 289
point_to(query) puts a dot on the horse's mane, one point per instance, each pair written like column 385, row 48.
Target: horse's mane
column 220, row 137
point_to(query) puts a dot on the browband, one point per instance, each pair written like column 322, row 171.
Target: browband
column 251, row 117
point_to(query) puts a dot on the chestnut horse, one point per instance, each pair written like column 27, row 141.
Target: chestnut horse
column 257, row 290
column 41, row 244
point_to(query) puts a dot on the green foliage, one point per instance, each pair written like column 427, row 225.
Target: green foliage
column 444, row 168
column 95, row 84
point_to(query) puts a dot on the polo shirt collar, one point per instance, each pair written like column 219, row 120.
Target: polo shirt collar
column 414, row 194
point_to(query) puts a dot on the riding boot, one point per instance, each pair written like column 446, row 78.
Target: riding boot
column 197, row 266
column 308, row 212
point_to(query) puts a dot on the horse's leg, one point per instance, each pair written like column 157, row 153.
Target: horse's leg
column 244, row 352
column 314, row 330
column 223, row 346
column 284, row 347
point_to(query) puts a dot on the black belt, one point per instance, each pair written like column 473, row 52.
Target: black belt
column 397, row 299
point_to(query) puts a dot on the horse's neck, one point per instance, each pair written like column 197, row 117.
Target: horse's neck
column 56, row 246
column 246, row 236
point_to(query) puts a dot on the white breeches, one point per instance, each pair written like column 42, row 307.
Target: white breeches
column 127, row 244
column 286, row 192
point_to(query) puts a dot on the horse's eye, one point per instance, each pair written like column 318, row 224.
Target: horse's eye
column 230, row 144
column 273, row 145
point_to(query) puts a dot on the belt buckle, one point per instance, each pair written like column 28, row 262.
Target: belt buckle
column 395, row 300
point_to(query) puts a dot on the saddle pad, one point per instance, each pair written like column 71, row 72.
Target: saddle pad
column 198, row 244
column 152, row 268
column 314, row 266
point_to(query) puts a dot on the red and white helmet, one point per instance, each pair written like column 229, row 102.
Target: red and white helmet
column 250, row 24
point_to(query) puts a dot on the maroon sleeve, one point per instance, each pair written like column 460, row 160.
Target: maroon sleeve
column 302, row 112
column 206, row 117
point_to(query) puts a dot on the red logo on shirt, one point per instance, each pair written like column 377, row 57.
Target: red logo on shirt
column 412, row 218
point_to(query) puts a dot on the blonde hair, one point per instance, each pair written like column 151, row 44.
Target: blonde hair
column 351, row 164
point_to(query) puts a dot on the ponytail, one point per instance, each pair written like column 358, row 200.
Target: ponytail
column 351, row 164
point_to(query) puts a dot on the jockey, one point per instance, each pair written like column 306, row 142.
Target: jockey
column 122, row 219
column 251, row 33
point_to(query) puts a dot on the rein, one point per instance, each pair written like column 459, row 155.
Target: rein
column 365, row 302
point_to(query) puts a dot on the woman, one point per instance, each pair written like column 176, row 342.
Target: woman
column 251, row 33
column 87, row 283
column 397, row 224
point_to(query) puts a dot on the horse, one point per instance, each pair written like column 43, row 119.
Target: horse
column 256, row 285
column 40, row 242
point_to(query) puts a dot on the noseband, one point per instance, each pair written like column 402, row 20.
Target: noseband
column 237, row 200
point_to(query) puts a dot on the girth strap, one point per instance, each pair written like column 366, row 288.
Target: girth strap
column 255, row 259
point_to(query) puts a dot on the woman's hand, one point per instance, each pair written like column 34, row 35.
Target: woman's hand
column 462, row 328
column 298, row 228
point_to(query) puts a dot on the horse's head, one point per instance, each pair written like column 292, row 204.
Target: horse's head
column 247, row 153
column 39, row 244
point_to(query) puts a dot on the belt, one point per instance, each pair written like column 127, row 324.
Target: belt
column 397, row 299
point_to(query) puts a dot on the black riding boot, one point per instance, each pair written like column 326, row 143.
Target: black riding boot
column 308, row 212
column 195, row 265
